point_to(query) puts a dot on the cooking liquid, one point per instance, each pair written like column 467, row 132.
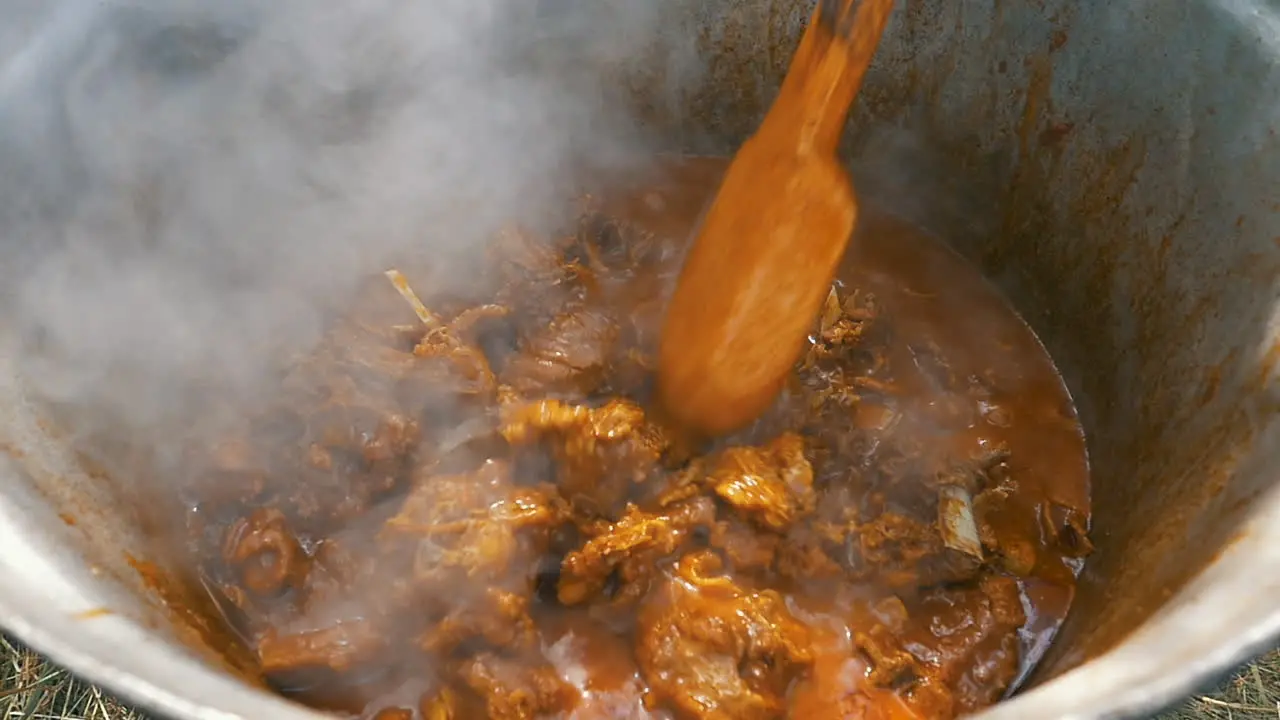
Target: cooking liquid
column 932, row 300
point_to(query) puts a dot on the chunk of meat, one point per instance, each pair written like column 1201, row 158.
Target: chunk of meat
column 568, row 355
column 348, row 388
column 600, row 453
column 340, row 438
column 865, row 536
column 472, row 546
column 1006, row 530
column 495, row 618
column 338, row 647
column 526, row 262
column 746, row 549
column 448, row 371
column 610, row 246
column 877, row 631
column 335, row 567
column 802, row 556
column 516, row 688
column 627, row 552
column 442, row 705
column 902, row 552
column 840, row 328
column 265, row 553
column 958, row 653
column 771, row 485
column 476, row 526
column 714, row 651
column 453, row 357
column 837, row 686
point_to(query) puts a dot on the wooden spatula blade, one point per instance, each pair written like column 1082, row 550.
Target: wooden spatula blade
column 769, row 246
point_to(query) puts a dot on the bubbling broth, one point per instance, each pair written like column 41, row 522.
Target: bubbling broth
column 473, row 510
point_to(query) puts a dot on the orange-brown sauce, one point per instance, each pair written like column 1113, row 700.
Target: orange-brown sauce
column 560, row 561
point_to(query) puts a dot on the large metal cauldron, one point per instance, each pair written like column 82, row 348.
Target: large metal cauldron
column 1113, row 166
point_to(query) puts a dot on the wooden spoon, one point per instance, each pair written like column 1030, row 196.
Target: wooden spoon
column 771, row 241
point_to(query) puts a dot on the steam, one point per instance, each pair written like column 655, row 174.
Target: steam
column 188, row 185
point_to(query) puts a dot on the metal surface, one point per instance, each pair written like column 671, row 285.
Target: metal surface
column 1114, row 167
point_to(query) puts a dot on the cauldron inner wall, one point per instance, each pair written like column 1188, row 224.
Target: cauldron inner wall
column 1106, row 164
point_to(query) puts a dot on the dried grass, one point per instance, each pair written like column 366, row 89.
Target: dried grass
column 32, row 688
column 1252, row 694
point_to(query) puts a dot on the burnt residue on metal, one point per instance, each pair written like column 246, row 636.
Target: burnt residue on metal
column 1087, row 176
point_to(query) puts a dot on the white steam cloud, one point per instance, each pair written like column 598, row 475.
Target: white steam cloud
column 187, row 185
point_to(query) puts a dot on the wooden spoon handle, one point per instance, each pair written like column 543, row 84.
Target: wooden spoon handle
column 827, row 71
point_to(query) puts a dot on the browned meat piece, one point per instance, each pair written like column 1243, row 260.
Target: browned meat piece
column 266, row 555
column 338, row 647
column 1008, row 531
column 372, row 397
column 894, row 548
column 772, row 485
column 877, row 632
column 714, row 651
column 599, row 245
column 473, row 544
column 448, row 372
column 498, row 618
column 601, row 453
column 747, row 549
column 674, row 487
column 516, row 688
column 464, row 324
column 475, row 527
column 442, row 705
column 955, row 650
column 527, row 261
column 568, row 355
column 627, row 552
column 903, row 552
column 335, row 567
column 329, row 487
column 455, row 358
column 841, row 326
column 610, row 246
column 341, row 436
column 346, row 387
column 394, row 437
column 802, row 555
column 833, row 688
